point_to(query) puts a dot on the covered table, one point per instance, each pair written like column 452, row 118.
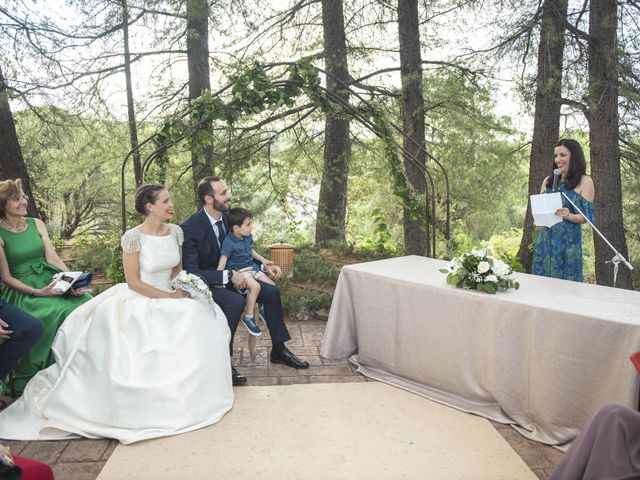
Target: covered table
column 544, row 358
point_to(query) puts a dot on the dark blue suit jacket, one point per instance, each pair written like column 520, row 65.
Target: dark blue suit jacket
column 200, row 251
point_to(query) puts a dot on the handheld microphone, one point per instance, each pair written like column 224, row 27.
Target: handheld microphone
column 556, row 177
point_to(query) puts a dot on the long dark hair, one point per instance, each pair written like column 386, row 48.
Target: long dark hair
column 577, row 164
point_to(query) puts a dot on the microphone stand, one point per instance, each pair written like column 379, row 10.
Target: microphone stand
column 617, row 257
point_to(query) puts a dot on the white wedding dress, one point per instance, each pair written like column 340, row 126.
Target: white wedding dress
column 131, row 367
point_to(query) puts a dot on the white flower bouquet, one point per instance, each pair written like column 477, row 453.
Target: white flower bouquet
column 194, row 285
column 479, row 270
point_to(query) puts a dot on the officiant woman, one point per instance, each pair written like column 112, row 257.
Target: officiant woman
column 27, row 263
column 558, row 250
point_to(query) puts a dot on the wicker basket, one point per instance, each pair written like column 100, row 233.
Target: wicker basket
column 282, row 255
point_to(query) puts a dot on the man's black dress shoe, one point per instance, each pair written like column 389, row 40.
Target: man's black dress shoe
column 236, row 378
column 285, row 356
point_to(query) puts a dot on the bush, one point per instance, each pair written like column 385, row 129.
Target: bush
column 93, row 254
column 310, row 267
column 295, row 299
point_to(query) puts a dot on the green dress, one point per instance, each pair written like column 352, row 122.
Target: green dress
column 25, row 255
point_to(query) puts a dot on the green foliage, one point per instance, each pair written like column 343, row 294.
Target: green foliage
column 295, row 299
column 116, row 270
column 73, row 164
column 381, row 243
column 341, row 249
column 311, row 267
column 93, row 254
column 318, row 275
column 252, row 92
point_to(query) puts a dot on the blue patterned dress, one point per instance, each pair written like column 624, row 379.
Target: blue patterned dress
column 558, row 250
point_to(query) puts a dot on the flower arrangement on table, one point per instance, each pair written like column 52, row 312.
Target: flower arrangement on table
column 479, row 270
column 193, row 284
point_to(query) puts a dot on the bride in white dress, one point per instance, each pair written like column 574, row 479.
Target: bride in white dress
column 138, row 361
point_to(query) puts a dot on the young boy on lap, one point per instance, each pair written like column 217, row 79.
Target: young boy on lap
column 237, row 254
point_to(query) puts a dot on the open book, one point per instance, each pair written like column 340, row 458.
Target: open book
column 66, row 280
column 543, row 209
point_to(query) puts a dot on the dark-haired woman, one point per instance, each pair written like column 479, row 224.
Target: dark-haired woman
column 139, row 361
column 27, row 263
column 558, row 250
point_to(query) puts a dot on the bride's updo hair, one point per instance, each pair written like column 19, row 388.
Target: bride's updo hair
column 147, row 194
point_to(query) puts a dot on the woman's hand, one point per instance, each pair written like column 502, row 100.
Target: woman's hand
column 47, row 291
column 179, row 293
column 563, row 212
column 4, row 330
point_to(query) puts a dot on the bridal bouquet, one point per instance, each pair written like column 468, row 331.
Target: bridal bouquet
column 479, row 270
column 194, row 285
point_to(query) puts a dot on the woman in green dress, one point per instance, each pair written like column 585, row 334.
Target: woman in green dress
column 27, row 263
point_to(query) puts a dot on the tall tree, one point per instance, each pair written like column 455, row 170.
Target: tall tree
column 604, row 137
column 415, row 238
column 131, row 113
column 332, row 204
column 12, row 164
column 548, row 101
column 199, row 80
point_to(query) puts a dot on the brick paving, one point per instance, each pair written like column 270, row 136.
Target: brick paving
column 83, row 459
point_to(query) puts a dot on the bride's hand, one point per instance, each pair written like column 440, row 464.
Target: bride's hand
column 179, row 293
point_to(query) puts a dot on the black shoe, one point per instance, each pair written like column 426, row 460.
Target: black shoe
column 236, row 378
column 285, row 356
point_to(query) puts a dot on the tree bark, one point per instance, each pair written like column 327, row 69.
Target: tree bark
column 332, row 203
column 199, row 80
column 12, row 164
column 603, row 139
column 131, row 114
column 416, row 241
column 546, row 124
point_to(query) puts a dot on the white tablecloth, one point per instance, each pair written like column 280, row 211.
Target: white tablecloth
column 544, row 358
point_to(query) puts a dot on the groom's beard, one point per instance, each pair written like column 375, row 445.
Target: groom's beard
column 219, row 206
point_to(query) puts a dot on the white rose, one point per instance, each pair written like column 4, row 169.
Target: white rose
column 500, row 268
column 483, row 267
column 491, row 278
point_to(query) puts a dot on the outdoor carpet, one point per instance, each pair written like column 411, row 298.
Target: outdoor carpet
column 327, row 431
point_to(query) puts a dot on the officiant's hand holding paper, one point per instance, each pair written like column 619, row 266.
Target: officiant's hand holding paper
column 544, row 207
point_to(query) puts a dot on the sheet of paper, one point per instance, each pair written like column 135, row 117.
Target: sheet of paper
column 543, row 209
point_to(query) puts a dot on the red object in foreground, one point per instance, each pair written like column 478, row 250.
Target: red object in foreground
column 32, row 470
column 635, row 359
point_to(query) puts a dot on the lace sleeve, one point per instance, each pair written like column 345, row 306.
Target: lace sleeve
column 130, row 241
column 177, row 233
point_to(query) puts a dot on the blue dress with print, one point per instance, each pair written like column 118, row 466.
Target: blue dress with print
column 558, row 250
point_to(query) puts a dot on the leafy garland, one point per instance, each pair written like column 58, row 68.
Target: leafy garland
column 252, row 92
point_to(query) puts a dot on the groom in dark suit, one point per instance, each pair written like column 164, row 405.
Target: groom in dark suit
column 203, row 235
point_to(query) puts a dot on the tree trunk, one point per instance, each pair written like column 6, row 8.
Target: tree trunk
column 12, row 164
column 416, row 240
column 603, row 139
column 131, row 114
column 198, row 65
column 546, row 124
column 332, row 204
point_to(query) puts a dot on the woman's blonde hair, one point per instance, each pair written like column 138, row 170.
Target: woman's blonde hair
column 9, row 189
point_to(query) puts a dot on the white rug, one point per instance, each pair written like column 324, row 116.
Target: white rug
column 327, row 431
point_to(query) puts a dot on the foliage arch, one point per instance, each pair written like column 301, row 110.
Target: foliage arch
column 251, row 91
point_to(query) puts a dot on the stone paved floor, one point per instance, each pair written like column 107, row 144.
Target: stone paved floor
column 83, row 459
